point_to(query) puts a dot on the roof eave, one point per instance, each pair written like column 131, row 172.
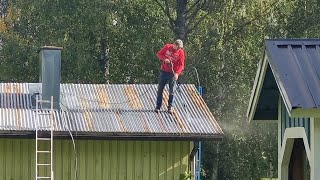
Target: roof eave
column 266, row 121
column 115, row 136
column 257, row 86
column 305, row 112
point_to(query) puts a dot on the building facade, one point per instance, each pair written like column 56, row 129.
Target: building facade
column 100, row 131
column 286, row 91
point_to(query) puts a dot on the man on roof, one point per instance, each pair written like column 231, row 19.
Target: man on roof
column 172, row 59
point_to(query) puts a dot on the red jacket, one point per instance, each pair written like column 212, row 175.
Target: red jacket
column 175, row 56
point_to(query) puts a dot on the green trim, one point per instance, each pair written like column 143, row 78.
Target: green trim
column 302, row 112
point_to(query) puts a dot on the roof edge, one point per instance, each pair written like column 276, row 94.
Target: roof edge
column 294, row 41
column 257, row 86
column 305, row 112
column 113, row 136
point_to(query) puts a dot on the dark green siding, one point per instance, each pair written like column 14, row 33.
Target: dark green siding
column 100, row 159
column 288, row 122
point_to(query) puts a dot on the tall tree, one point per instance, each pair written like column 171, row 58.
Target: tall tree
column 184, row 16
column 225, row 44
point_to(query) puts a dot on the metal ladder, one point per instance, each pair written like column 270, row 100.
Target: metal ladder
column 47, row 140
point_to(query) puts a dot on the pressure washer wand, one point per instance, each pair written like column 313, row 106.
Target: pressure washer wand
column 178, row 84
column 171, row 65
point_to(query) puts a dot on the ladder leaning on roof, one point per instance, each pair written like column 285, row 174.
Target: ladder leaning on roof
column 41, row 126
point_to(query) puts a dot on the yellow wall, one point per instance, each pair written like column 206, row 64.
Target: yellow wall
column 99, row 159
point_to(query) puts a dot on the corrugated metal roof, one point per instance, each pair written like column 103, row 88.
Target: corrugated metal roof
column 291, row 68
column 110, row 110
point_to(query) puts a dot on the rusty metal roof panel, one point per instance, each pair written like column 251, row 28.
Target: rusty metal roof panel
column 295, row 64
column 113, row 110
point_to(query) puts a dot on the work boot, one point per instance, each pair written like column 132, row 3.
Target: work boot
column 157, row 110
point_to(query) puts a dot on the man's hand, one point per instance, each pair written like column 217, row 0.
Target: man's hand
column 176, row 76
column 167, row 61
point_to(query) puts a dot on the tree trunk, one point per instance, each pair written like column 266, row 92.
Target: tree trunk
column 3, row 8
column 215, row 165
column 107, row 74
column 180, row 24
column 104, row 60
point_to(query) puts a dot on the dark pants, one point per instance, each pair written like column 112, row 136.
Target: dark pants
column 164, row 78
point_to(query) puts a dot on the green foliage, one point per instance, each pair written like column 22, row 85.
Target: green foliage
column 186, row 176
column 131, row 31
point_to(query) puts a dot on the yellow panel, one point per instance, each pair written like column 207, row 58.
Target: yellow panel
column 106, row 159
column 8, row 158
column 25, row 158
column 82, row 163
column 66, row 162
column 16, row 160
column 57, row 160
column 122, row 158
column 138, row 160
column 90, row 159
column 163, row 161
column 146, row 160
column 114, row 160
column 100, row 159
column 154, row 161
column 130, row 156
column 170, row 159
column 2, row 155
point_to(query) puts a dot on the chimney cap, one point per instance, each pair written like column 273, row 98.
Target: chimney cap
column 50, row 48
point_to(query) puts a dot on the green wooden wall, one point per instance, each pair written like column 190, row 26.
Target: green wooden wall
column 288, row 122
column 98, row 159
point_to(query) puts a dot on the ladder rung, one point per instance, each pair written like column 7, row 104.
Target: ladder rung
column 44, row 101
column 44, row 113
column 44, row 139
column 45, row 109
column 44, row 177
column 44, row 127
column 43, row 164
column 43, row 151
